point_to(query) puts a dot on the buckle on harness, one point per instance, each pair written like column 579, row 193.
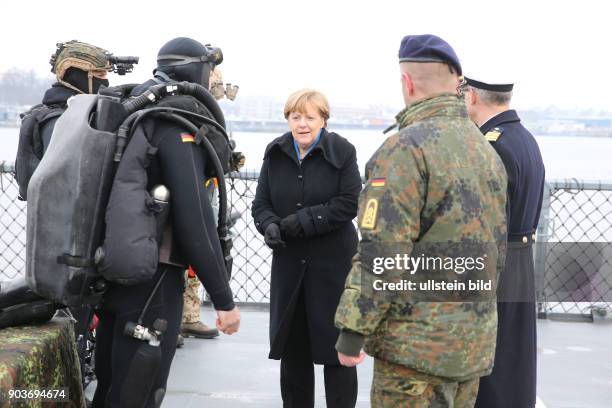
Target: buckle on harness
column 75, row 261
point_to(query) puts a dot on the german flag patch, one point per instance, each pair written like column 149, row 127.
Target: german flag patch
column 378, row 182
column 187, row 138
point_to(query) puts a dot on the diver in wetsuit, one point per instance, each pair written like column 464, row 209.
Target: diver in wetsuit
column 179, row 164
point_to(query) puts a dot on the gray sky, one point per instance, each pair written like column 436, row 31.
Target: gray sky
column 557, row 52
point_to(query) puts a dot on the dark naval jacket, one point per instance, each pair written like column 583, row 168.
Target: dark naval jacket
column 179, row 164
column 323, row 191
column 520, row 153
column 512, row 383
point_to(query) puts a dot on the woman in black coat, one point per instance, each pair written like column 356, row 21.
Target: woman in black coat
column 305, row 202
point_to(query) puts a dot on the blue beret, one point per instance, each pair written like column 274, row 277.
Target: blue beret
column 428, row 48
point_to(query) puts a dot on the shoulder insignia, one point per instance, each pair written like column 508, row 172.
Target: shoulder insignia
column 369, row 215
column 187, row 138
column 494, row 134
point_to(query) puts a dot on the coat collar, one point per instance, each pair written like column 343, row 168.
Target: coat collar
column 499, row 119
column 327, row 146
column 441, row 105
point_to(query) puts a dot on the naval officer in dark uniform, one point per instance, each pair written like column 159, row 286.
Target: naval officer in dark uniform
column 512, row 384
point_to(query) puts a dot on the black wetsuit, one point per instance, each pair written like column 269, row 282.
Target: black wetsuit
column 179, row 165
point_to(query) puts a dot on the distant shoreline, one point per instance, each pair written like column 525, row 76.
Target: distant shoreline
column 275, row 127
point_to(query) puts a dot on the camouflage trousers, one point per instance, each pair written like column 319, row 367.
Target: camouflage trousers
column 191, row 301
column 397, row 386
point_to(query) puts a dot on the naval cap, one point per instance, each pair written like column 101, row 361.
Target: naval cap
column 428, row 48
column 493, row 86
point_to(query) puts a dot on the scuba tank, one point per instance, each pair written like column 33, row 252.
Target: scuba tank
column 71, row 208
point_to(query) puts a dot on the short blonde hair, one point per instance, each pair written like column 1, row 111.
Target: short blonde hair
column 298, row 101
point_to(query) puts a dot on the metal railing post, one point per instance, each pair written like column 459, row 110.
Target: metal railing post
column 542, row 235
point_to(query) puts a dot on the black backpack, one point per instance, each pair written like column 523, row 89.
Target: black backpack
column 30, row 148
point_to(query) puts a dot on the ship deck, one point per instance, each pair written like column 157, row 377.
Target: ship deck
column 574, row 367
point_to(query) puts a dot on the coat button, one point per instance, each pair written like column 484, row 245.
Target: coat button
column 525, row 240
column 319, row 217
column 257, row 224
column 300, row 177
column 533, row 237
column 299, row 204
column 303, row 261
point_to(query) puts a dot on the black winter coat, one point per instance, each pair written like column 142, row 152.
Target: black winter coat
column 323, row 191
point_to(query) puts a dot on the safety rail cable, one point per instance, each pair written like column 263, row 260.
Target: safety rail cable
column 573, row 254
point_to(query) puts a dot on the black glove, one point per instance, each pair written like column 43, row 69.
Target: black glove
column 272, row 237
column 290, row 226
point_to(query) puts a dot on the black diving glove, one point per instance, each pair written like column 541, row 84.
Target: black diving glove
column 272, row 237
column 290, row 227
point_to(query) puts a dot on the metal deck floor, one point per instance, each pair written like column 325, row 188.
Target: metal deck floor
column 574, row 368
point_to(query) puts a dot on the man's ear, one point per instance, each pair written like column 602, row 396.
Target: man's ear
column 407, row 83
column 472, row 97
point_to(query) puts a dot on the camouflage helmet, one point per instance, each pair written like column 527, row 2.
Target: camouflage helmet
column 216, row 87
column 89, row 58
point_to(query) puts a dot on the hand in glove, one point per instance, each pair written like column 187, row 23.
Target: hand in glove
column 290, row 226
column 272, row 237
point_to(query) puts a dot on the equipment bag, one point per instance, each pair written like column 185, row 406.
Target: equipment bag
column 130, row 251
column 65, row 212
column 66, row 260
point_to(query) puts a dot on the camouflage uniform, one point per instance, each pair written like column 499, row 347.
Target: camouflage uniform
column 397, row 386
column 191, row 324
column 216, row 84
column 437, row 180
column 191, row 301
